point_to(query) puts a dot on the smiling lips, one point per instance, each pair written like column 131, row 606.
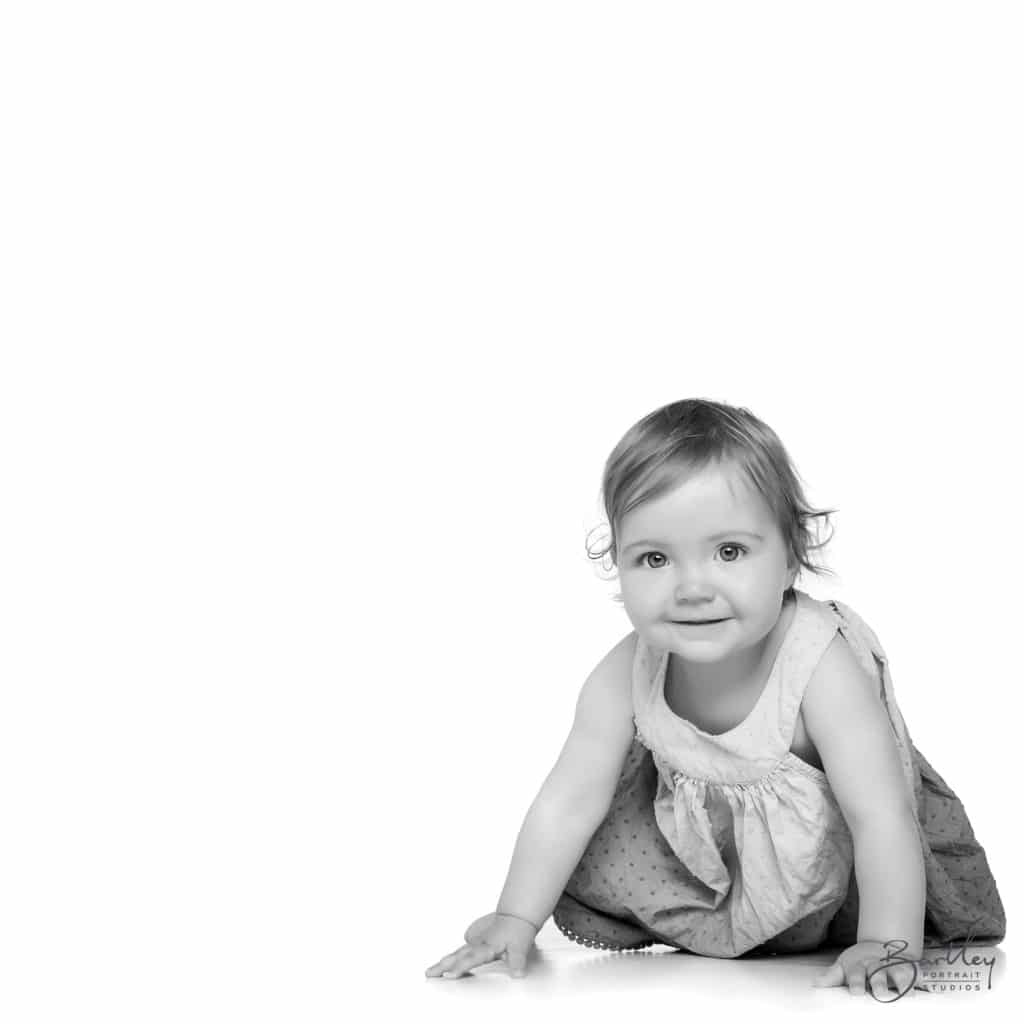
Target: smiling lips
column 698, row 622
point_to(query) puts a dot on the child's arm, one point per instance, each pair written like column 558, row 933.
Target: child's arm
column 848, row 725
column 572, row 802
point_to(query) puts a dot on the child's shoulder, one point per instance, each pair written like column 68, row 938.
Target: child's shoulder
column 616, row 666
column 605, row 700
column 862, row 644
column 612, row 677
column 832, row 621
column 840, row 681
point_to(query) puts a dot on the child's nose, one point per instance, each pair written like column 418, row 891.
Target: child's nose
column 692, row 586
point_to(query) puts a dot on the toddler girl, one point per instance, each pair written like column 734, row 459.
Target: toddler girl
column 738, row 777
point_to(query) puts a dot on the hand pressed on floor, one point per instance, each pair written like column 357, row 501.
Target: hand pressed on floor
column 870, row 965
column 491, row 937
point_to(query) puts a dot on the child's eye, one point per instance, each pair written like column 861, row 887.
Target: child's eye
column 737, row 548
column 651, row 554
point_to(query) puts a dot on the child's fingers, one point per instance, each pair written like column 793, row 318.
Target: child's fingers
column 905, row 977
column 856, row 978
column 857, row 975
column 831, row 977
column 475, row 956
column 446, row 963
column 442, row 965
column 516, row 960
column 893, row 983
column 465, row 959
column 879, row 982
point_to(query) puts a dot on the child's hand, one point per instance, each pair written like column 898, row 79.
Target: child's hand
column 491, row 937
column 870, row 963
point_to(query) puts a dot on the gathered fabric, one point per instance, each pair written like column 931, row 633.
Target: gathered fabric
column 729, row 844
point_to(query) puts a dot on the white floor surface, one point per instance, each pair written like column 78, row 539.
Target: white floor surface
column 567, row 981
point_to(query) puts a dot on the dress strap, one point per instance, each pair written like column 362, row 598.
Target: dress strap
column 813, row 629
column 646, row 664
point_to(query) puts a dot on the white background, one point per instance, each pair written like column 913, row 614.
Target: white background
column 319, row 322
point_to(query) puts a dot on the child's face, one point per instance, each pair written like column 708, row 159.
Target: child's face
column 698, row 562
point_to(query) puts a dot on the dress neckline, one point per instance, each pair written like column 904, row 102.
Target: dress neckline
column 769, row 684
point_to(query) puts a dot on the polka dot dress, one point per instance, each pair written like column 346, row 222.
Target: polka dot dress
column 729, row 844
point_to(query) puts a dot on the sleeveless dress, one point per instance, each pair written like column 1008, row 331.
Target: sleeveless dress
column 730, row 844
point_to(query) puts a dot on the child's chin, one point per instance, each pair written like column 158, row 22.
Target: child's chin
column 697, row 648
column 700, row 652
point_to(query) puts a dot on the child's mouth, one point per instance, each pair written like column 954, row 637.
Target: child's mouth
column 699, row 622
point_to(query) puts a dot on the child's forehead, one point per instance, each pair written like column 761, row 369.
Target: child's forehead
column 719, row 494
column 722, row 482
